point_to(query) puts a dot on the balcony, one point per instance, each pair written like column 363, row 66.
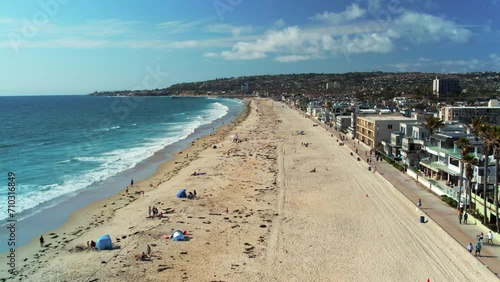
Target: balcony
column 438, row 166
column 438, row 151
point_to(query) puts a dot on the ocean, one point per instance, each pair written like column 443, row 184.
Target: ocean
column 60, row 147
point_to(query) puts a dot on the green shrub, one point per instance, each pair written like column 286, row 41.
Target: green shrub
column 450, row 201
column 398, row 166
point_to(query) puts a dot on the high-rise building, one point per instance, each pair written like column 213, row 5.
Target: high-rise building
column 444, row 88
column 244, row 87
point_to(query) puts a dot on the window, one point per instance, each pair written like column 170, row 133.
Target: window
column 389, row 126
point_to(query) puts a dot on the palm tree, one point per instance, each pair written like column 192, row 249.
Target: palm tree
column 496, row 148
column 487, row 134
column 469, row 160
column 464, row 145
column 475, row 127
column 433, row 123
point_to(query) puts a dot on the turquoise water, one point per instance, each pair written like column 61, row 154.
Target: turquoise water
column 59, row 146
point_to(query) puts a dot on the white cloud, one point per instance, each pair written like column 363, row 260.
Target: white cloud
column 239, row 55
column 279, row 23
column 460, row 65
column 292, row 58
column 180, row 26
column 210, row 55
column 421, row 28
column 351, row 13
column 227, row 28
column 292, row 42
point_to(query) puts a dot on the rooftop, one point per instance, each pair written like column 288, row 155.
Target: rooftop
column 395, row 117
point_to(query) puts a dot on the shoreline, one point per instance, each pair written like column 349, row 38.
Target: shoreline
column 176, row 160
column 268, row 208
column 51, row 214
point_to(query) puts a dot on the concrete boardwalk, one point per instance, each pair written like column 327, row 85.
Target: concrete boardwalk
column 444, row 215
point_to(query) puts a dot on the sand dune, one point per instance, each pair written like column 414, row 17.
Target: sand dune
column 261, row 215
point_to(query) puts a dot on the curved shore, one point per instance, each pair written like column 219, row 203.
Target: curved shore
column 84, row 219
column 268, row 209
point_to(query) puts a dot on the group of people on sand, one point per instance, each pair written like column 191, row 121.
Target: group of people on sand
column 153, row 212
column 306, row 144
column 145, row 255
column 191, row 195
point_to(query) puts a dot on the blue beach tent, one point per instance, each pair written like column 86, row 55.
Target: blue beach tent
column 104, row 243
column 178, row 236
column 181, row 193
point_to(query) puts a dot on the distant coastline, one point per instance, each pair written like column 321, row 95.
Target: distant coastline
column 371, row 84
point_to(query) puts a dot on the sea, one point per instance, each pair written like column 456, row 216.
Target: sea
column 65, row 152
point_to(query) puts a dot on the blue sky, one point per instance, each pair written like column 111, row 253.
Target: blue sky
column 77, row 47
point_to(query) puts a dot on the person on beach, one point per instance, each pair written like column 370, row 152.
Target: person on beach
column 466, row 216
column 149, row 253
column 490, row 238
column 149, row 212
column 132, row 182
column 460, row 218
column 42, row 241
column 92, row 245
column 142, row 256
column 419, row 204
column 126, row 189
column 88, row 245
column 470, row 248
column 478, row 249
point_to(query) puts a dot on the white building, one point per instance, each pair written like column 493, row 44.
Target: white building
column 490, row 114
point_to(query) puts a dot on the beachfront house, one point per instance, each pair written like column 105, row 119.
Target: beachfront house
column 373, row 129
column 313, row 108
column 412, row 143
column 342, row 122
column 443, row 163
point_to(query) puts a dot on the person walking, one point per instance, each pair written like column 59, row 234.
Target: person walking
column 470, row 248
column 149, row 253
column 419, row 204
column 478, row 249
column 131, row 182
column 42, row 241
column 490, row 238
column 460, row 218
column 465, row 218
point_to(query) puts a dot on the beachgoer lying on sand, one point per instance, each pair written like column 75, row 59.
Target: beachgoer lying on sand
column 314, row 170
column 142, row 256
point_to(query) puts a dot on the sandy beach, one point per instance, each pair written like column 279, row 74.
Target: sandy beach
column 260, row 214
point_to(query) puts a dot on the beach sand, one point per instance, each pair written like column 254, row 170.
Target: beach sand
column 260, row 215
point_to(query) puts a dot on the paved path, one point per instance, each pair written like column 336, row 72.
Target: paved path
column 444, row 215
